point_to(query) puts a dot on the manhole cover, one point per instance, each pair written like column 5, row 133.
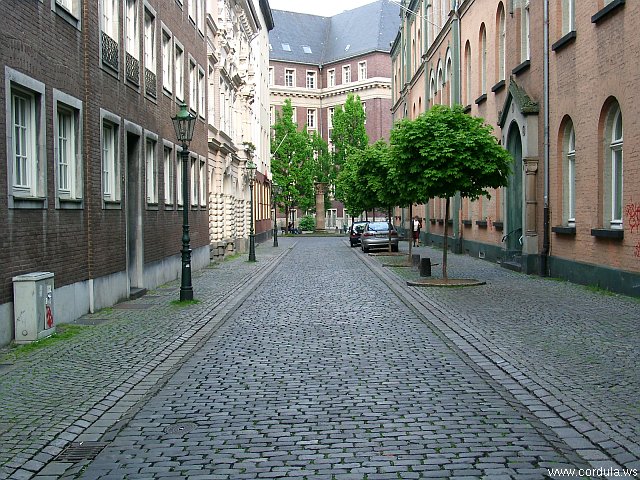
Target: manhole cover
column 76, row 452
column 180, row 428
column 133, row 306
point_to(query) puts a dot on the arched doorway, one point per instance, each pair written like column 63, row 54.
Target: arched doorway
column 514, row 197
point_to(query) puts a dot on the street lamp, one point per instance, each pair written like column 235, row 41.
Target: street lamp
column 275, row 190
column 183, row 122
column 251, row 173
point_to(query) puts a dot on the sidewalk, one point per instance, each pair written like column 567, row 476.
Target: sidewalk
column 77, row 389
column 568, row 350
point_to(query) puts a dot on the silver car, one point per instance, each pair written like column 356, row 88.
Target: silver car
column 378, row 235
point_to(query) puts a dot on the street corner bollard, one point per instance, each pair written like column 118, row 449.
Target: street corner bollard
column 415, row 260
column 425, row 267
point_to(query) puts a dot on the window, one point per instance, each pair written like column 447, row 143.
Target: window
column 193, row 86
column 331, row 78
column 569, row 177
column 311, row 79
column 286, row 47
column 483, row 60
column 68, row 170
column 194, row 181
column 110, row 18
column 167, row 61
column 202, row 103
column 467, row 90
column 294, row 115
column 271, row 76
column 203, row 183
column 362, row 70
column 346, row 74
column 192, row 10
column 110, row 166
column 179, row 66
column 525, row 46
column 149, row 41
column 332, row 111
column 151, row 171
column 289, row 77
column 169, row 175
column 311, row 118
column 568, row 16
column 613, row 168
column 502, row 37
column 179, row 164
column 200, row 13
column 306, row 49
column 131, row 28
column 70, row 7
column 25, row 149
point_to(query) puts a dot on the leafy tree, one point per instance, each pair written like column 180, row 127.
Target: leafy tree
column 323, row 167
column 444, row 151
column 291, row 162
column 307, row 223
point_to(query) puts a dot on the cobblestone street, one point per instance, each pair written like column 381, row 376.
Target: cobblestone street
column 318, row 362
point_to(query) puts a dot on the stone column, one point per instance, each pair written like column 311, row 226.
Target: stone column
column 531, row 169
column 320, row 214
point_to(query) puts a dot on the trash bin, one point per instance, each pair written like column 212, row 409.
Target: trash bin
column 33, row 306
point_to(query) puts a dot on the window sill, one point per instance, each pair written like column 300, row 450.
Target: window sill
column 466, row 223
column 482, row 98
column 499, row 226
column 29, row 202
column 68, row 16
column 607, row 11
column 111, row 205
column 152, row 206
column 69, row 203
column 441, row 221
column 610, row 233
column 467, row 109
column 498, row 86
column 523, row 67
column 481, row 223
column 564, row 230
column 566, row 40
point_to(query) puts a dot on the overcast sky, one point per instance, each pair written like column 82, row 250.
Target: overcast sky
column 326, row 8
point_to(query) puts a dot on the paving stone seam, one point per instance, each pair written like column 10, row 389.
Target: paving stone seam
column 434, row 315
column 183, row 348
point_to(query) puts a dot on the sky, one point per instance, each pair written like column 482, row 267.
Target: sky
column 326, row 8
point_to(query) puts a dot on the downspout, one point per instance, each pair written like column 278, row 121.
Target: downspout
column 544, row 269
column 455, row 85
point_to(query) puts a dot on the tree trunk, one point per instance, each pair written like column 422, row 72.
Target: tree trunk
column 446, row 240
column 410, row 231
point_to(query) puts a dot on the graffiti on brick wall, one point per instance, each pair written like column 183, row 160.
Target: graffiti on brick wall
column 632, row 212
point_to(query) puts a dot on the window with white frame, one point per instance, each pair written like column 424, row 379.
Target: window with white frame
column 202, row 177
column 71, row 7
column 614, row 168
column 294, row 114
column 110, row 18
column 193, row 85
column 67, row 131
column 569, row 177
column 202, row 93
column 272, row 115
column 167, row 61
column 502, row 42
column 289, row 77
column 483, row 61
column 211, row 96
column 568, row 16
column 149, row 41
column 200, row 14
column 110, row 164
column 131, row 28
column 362, row 70
column 192, row 10
column 331, row 77
column 271, row 76
column 331, row 111
column 346, row 74
column 26, row 163
column 311, row 118
column 179, row 167
column 467, row 56
column 179, row 68
column 364, row 112
column 311, row 79
column 193, row 175
column 525, row 44
column 151, row 172
column 169, row 175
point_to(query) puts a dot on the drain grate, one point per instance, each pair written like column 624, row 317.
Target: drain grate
column 76, row 452
column 180, row 428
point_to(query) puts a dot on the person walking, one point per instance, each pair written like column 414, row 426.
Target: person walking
column 416, row 231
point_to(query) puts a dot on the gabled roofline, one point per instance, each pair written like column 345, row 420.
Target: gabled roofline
column 523, row 101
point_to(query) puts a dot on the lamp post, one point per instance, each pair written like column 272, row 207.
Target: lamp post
column 184, row 122
column 251, row 172
column 275, row 190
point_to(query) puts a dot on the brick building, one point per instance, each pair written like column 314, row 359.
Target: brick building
column 317, row 61
column 559, row 100
column 91, row 186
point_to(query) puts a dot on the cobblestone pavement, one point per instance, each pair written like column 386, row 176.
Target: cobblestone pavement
column 334, row 368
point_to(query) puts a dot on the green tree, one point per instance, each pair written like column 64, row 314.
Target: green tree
column 323, row 167
column 291, row 162
column 445, row 151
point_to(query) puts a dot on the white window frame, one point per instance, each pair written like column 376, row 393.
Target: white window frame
column 179, row 195
column 202, row 93
column 289, row 77
column 131, row 33
column 570, row 176
column 193, row 84
column 192, row 10
column 70, row 10
column 67, row 148
column 502, row 45
column 312, row 118
column 615, row 153
column 193, row 177
column 331, row 77
column 346, row 74
column 151, row 169
column 483, row 60
column 179, row 69
column 526, row 33
column 167, row 60
column 362, row 70
column 202, row 177
column 330, row 113
column 150, row 60
column 28, row 180
column 311, row 79
column 271, row 76
column 169, row 173
column 110, row 147
column 111, row 18
column 568, row 16
column 294, row 115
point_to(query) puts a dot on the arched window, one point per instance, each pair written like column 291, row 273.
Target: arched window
column 432, row 87
column 501, row 42
column 483, row 60
column 440, row 81
column 448, row 80
column 467, row 77
column 613, row 167
column 568, row 16
column 569, row 175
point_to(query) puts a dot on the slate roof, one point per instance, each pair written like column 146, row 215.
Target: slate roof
column 351, row 33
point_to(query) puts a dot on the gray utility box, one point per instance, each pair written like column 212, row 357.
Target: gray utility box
column 33, row 306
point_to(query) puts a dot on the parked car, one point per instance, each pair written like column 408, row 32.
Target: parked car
column 355, row 232
column 378, row 235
